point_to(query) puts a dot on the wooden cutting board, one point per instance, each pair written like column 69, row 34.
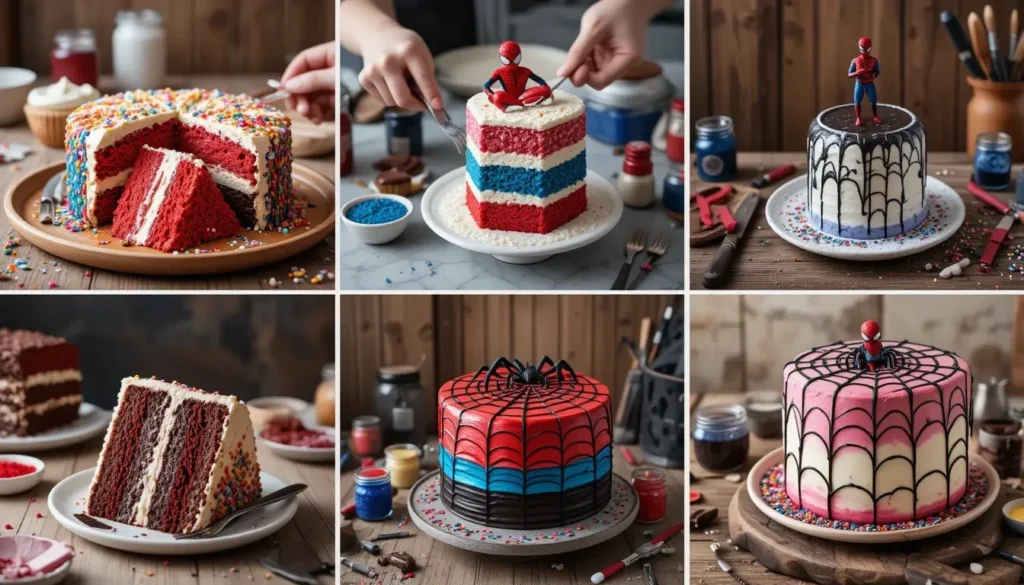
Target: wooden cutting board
column 700, row 235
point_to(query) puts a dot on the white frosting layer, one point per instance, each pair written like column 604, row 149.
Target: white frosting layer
column 564, row 108
column 42, row 379
column 62, row 94
column 526, row 161
column 53, row 403
column 518, row 199
column 237, row 431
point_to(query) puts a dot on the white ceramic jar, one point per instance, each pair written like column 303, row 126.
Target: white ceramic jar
column 139, row 50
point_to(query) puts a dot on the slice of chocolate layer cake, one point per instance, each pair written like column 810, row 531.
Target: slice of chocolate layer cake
column 175, row 458
column 40, row 382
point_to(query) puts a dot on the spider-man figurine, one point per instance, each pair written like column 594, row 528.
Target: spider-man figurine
column 513, row 78
column 864, row 68
column 874, row 352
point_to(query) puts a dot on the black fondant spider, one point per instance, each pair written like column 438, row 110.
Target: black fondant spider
column 538, row 375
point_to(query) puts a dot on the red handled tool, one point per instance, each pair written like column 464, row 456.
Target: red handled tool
column 988, row 198
column 773, row 176
column 645, row 551
column 995, row 242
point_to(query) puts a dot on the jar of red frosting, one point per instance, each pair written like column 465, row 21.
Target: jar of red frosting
column 366, row 439
column 675, row 136
column 649, row 484
column 74, row 56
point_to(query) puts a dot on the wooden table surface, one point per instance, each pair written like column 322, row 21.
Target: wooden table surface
column 305, row 541
column 766, row 261
column 73, row 276
column 716, row 492
column 441, row 564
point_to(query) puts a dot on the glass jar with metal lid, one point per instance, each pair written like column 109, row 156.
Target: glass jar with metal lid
column 716, row 149
column 401, row 404
column 721, row 439
column 992, row 161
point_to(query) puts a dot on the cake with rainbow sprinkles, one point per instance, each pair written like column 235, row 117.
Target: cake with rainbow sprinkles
column 244, row 143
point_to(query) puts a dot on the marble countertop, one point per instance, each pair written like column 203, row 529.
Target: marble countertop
column 420, row 259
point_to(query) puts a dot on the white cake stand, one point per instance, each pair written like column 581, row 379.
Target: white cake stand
column 429, row 513
column 786, row 216
column 775, row 457
column 445, row 211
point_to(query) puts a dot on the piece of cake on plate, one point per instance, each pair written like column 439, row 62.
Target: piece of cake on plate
column 175, row 458
column 40, row 382
column 526, row 169
column 171, row 203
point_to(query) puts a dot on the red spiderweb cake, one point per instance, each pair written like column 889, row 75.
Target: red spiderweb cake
column 171, row 203
column 40, row 382
column 175, row 458
column 526, row 447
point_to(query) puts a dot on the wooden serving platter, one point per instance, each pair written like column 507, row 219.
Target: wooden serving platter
column 827, row 562
column 21, row 204
column 700, row 235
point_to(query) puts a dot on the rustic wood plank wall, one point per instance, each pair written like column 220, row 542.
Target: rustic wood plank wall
column 453, row 335
column 203, row 36
column 772, row 65
column 741, row 343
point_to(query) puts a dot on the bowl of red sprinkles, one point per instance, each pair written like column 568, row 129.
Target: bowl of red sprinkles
column 19, row 473
column 287, row 437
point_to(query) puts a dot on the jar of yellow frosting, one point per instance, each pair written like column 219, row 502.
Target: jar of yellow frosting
column 403, row 461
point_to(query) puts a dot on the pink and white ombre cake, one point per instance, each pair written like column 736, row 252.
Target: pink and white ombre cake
column 877, row 432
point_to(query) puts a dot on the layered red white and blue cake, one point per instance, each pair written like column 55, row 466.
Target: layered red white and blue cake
column 245, row 143
column 526, row 168
column 175, row 458
column 525, row 447
column 40, row 382
column 171, row 203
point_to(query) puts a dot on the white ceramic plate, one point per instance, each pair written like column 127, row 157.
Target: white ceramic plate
column 304, row 454
column 785, row 214
column 92, row 421
column 603, row 204
column 775, row 457
column 464, row 71
column 67, row 498
column 616, row 517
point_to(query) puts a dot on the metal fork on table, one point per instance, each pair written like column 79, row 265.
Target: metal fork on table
column 218, row 526
column 456, row 134
column 634, row 246
column 655, row 250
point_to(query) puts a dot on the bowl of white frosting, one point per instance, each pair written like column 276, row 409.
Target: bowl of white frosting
column 47, row 108
column 15, row 84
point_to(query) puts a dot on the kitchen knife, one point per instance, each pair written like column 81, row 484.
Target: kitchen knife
column 995, row 241
column 714, row 276
column 53, row 195
column 300, row 576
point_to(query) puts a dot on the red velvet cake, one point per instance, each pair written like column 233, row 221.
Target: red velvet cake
column 175, row 458
column 171, row 203
column 40, row 382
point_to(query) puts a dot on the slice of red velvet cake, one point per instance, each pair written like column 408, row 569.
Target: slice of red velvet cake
column 171, row 203
column 175, row 458
column 40, row 382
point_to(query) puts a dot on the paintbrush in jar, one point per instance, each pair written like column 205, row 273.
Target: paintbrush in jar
column 1014, row 34
column 962, row 44
column 1018, row 61
column 998, row 67
column 976, row 29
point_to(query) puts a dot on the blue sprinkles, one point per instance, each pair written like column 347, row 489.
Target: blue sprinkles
column 376, row 211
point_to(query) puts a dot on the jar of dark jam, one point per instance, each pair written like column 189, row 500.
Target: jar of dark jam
column 716, row 149
column 992, row 161
column 721, row 439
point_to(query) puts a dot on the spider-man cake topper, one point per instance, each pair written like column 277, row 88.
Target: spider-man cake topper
column 874, row 352
column 513, row 78
column 516, row 373
column 864, row 69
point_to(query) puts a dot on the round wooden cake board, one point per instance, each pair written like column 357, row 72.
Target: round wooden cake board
column 430, row 515
column 828, row 562
column 21, row 204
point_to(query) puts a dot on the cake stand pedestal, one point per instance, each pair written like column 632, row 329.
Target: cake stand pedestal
column 429, row 514
column 829, row 562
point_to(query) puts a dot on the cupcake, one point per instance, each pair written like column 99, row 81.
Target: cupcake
column 394, row 182
column 48, row 109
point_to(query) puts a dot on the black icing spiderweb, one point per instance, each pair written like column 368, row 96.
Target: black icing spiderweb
column 908, row 369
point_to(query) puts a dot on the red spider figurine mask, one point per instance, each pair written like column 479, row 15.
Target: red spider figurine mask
column 865, row 45
column 871, row 332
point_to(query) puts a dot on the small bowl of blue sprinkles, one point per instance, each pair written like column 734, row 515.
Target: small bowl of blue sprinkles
column 377, row 218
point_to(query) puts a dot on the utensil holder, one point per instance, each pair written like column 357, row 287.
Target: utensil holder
column 996, row 107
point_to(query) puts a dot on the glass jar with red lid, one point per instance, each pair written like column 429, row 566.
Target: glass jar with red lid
column 74, row 56
column 366, row 439
column 675, row 136
column 649, row 484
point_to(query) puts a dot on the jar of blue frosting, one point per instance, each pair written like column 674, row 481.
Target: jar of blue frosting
column 373, row 494
column 992, row 161
column 716, row 149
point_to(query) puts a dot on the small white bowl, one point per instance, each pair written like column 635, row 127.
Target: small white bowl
column 16, row 485
column 1015, row 525
column 378, row 233
column 15, row 83
column 265, row 408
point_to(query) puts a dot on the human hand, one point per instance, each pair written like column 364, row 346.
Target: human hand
column 388, row 55
column 613, row 38
column 311, row 80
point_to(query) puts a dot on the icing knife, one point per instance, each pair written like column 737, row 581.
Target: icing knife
column 995, row 242
column 714, row 276
column 53, row 195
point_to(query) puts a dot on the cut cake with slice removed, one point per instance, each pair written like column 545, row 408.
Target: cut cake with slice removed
column 175, row 458
column 171, row 203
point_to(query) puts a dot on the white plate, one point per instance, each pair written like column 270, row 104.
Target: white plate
column 67, row 498
column 91, row 421
column 613, row 520
column 603, row 205
column 304, row 454
column 775, row 457
column 464, row 71
column 785, row 213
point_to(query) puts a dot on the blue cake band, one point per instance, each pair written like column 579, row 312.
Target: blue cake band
column 506, row 179
column 876, row 232
column 538, row 481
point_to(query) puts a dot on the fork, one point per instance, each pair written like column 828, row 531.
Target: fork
column 456, row 134
column 634, row 246
column 655, row 250
column 218, row 526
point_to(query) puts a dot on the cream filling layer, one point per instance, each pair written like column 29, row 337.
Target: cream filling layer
column 149, row 209
column 53, row 403
column 526, row 161
column 43, row 379
column 499, row 198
